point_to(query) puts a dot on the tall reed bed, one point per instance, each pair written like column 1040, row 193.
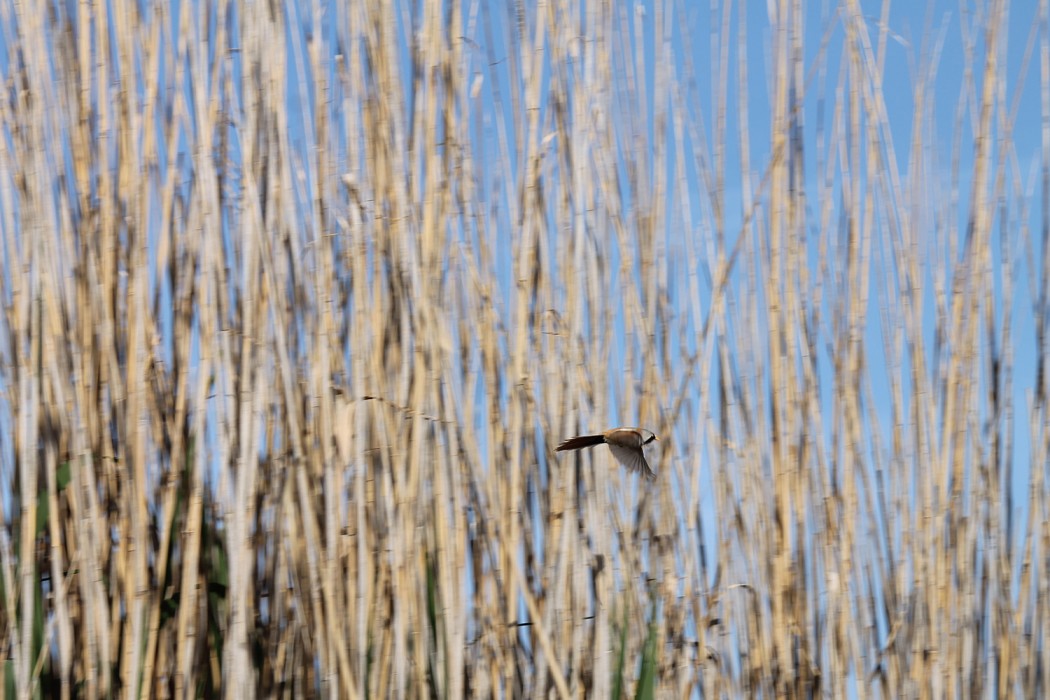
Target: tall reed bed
column 297, row 299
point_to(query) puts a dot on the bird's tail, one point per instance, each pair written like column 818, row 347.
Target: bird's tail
column 580, row 442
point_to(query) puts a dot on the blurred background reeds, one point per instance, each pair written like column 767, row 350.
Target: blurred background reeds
column 297, row 299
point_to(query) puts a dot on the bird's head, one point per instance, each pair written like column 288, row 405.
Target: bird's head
column 647, row 436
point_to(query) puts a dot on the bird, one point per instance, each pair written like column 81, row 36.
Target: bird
column 625, row 443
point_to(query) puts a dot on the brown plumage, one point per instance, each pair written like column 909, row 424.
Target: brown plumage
column 625, row 443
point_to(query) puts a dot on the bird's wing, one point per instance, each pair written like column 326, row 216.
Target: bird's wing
column 633, row 458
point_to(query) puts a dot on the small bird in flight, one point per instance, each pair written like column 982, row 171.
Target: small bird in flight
column 625, row 443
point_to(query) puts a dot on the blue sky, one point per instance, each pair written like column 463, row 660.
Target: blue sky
column 913, row 30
